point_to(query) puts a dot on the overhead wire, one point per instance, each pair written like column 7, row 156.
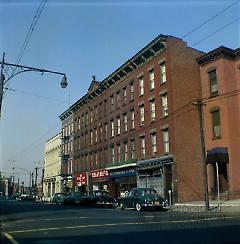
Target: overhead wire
column 193, row 30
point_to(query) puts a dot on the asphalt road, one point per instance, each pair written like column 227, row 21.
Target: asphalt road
column 27, row 222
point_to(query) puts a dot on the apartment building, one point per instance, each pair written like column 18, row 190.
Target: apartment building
column 52, row 181
column 220, row 82
column 138, row 127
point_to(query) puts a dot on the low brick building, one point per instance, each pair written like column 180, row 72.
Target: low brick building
column 220, row 82
column 138, row 126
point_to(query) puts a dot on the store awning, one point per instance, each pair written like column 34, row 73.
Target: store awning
column 217, row 155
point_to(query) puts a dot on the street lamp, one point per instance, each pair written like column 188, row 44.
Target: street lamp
column 18, row 69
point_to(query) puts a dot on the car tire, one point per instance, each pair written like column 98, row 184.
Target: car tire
column 138, row 207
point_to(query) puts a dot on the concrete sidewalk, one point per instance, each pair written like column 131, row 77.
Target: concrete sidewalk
column 229, row 206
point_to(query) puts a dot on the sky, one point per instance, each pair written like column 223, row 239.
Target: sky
column 84, row 38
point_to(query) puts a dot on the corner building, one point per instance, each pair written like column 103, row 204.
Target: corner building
column 138, row 126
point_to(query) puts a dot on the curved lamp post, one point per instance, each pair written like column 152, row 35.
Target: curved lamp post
column 18, row 69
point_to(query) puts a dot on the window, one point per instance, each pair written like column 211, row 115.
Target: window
column 164, row 105
column 112, row 154
column 118, row 100
column 141, row 86
column 96, row 135
column 83, row 123
column 143, row 147
column 112, row 103
column 91, row 160
column 124, row 95
column 216, row 124
column 154, row 144
column 91, row 116
column 141, row 110
column 112, row 128
column 118, row 153
column 79, row 123
column 151, row 79
column 125, row 128
column 132, row 119
column 125, row 151
column 86, row 119
column 118, row 126
column 213, row 82
column 163, row 78
column 106, row 131
column 131, row 92
column 91, row 138
column 101, row 132
column 96, row 113
column 133, row 149
column 152, row 110
column 96, row 158
column 165, row 141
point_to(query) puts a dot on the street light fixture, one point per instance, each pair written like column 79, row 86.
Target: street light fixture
column 18, row 69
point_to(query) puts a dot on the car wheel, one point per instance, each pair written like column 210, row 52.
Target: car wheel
column 122, row 206
column 138, row 207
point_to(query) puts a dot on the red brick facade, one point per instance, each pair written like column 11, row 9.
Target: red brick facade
column 163, row 148
column 222, row 99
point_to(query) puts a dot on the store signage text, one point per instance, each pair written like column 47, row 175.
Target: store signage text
column 99, row 174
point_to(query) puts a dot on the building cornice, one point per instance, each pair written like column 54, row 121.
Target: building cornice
column 140, row 58
column 220, row 52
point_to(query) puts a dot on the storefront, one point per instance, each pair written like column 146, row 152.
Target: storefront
column 156, row 173
column 123, row 179
column 99, row 180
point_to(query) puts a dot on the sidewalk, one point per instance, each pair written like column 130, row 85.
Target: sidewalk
column 229, row 206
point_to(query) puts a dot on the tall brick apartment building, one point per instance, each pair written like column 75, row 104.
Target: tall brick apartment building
column 138, row 127
column 220, row 82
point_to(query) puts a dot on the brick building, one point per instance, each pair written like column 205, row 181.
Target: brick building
column 138, row 127
column 220, row 82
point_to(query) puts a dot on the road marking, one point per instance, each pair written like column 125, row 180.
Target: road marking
column 116, row 224
column 54, row 219
column 10, row 238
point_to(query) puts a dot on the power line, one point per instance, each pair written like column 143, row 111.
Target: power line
column 34, row 95
column 30, row 30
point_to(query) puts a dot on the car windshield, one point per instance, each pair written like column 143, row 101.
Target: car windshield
column 148, row 191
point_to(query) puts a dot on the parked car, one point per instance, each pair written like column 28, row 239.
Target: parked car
column 58, row 198
column 140, row 198
column 73, row 198
column 26, row 197
column 99, row 198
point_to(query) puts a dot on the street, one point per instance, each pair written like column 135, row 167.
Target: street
column 29, row 222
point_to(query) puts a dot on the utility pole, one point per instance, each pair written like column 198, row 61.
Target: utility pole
column 36, row 175
column 1, row 83
column 199, row 106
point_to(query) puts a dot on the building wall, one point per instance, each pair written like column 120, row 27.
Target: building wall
column 228, row 102
column 52, row 167
column 182, row 87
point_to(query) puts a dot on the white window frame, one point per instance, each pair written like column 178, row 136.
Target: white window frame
column 154, row 144
column 151, row 79
column 164, row 99
column 141, row 115
column 166, row 143
column 112, row 128
column 143, row 147
column 152, row 106
column 163, row 77
column 141, row 85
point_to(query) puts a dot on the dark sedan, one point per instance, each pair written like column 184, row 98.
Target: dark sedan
column 140, row 198
column 73, row 198
column 99, row 198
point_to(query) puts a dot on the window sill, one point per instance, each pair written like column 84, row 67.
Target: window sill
column 162, row 83
column 216, row 138
column 213, row 95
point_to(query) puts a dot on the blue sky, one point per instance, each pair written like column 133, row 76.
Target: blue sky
column 81, row 39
